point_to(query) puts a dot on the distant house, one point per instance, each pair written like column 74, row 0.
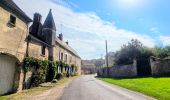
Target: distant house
column 88, row 67
column 18, row 41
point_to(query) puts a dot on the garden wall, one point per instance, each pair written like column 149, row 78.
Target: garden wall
column 119, row 71
column 160, row 67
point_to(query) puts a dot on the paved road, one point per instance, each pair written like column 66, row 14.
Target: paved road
column 90, row 88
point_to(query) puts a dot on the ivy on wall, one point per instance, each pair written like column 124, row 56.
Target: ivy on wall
column 46, row 70
column 41, row 69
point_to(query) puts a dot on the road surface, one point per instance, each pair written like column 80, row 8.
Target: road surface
column 89, row 88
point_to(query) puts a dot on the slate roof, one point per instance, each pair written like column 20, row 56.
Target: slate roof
column 49, row 22
column 10, row 5
column 66, row 46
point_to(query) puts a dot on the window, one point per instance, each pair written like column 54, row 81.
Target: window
column 43, row 50
column 61, row 56
column 12, row 21
column 66, row 58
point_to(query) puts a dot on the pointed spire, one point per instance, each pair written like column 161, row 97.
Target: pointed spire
column 49, row 22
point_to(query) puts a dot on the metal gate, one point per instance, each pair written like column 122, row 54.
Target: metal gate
column 7, row 73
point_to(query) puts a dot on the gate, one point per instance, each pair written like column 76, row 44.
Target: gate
column 7, row 73
column 143, row 67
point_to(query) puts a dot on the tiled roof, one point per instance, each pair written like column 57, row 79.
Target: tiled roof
column 9, row 4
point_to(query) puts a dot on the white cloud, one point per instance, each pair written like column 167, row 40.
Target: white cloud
column 155, row 30
column 86, row 32
column 165, row 40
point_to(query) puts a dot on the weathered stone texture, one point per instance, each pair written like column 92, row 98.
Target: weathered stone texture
column 34, row 50
column 12, row 45
column 12, row 38
column 56, row 53
column 160, row 67
column 119, row 71
column 28, row 77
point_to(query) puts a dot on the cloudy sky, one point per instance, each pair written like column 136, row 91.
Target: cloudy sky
column 88, row 23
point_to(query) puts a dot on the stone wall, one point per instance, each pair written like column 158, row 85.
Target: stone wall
column 160, row 67
column 12, row 39
column 28, row 77
column 12, row 43
column 35, row 50
column 119, row 71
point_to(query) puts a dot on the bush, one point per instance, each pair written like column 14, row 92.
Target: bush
column 59, row 76
column 41, row 67
column 45, row 70
column 36, row 80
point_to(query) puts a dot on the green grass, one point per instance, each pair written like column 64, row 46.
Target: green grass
column 2, row 98
column 158, row 88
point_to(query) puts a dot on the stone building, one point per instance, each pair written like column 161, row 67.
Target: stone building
column 88, row 67
column 18, row 41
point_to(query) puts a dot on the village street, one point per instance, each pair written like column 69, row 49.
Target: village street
column 89, row 88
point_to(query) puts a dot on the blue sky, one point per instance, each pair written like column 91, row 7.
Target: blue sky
column 88, row 23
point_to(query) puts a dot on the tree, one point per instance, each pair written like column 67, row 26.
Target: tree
column 162, row 52
column 133, row 50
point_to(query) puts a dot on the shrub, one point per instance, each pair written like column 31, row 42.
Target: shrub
column 30, row 62
column 45, row 70
column 59, row 76
column 39, row 76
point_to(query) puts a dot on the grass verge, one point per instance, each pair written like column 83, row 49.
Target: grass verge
column 33, row 91
column 158, row 88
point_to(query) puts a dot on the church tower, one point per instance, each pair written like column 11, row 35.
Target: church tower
column 49, row 34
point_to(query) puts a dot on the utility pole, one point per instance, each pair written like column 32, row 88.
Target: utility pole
column 107, row 63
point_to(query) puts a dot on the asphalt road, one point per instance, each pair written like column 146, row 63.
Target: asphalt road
column 89, row 88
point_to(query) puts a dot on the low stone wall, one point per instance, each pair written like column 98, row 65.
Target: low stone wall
column 160, row 67
column 28, row 77
column 119, row 71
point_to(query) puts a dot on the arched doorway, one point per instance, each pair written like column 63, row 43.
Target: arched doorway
column 7, row 73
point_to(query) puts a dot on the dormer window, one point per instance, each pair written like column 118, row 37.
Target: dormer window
column 12, row 21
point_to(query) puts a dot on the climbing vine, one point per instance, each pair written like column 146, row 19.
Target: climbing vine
column 45, row 70
column 41, row 67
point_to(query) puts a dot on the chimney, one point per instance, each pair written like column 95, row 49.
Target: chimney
column 37, row 18
column 67, row 42
column 36, row 26
column 61, row 37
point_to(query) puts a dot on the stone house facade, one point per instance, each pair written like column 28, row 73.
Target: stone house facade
column 18, row 41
